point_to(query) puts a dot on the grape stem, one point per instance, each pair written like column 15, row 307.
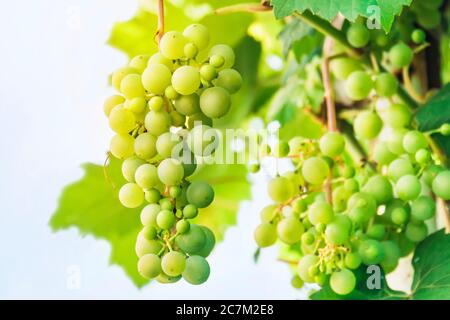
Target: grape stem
column 160, row 31
column 244, row 7
column 409, row 86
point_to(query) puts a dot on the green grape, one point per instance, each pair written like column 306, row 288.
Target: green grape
column 166, row 204
column 265, row 235
column 303, row 266
column 229, row 79
column 156, row 78
column 298, row 205
column 391, row 255
column 165, row 144
column 418, row 36
column 422, row 156
column 192, row 241
column 332, row 144
column 149, row 232
column 173, row 263
column 441, row 185
column 164, row 278
column 320, row 212
column 408, row 187
column 111, row 102
column 367, row 124
column 444, row 129
column 268, row 213
column 165, row 219
column 395, row 141
column 337, row 232
column 182, row 226
column 216, row 61
column 405, row 245
column 386, row 84
column 119, row 74
column 158, row 58
column 397, row 211
column 225, row 52
column 215, row 102
column 429, row 19
column 400, row 55
column 136, row 105
column 174, row 191
column 146, row 176
column 413, row 141
column 358, row 85
column 208, row 72
column 376, row 231
column 156, row 103
column 131, row 195
column 200, row 194
column 358, row 35
column 122, row 146
column 157, row 123
column 129, row 167
column 281, row 149
column 400, row 167
column 343, row 282
column 171, row 93
column 209, row 243
column 351, row 185
column 202, row 140
column 297, row 282
column 290, row 230
column 198, row 119
column 172, row 45
column 315, row 170
column 144, row 246
column 423, row 208
column 149, row 214
column 343, row 67
column 340, row 198
column 145, row 146
column 149, row 266
column 308, row 238
column 131, row 86
column 352, row 260
column 186, row 80
column 430, row 172
column 152, row 195
column 382, row 155
column 139, row 62
column 122, row 120
column 170, row 172
column 197, row 34
column 190, row 50
column 416, row 231
column 190, row 211
column 362, row 206
column 371, row 252
column 188, row 105
column 280, row 189
column 380, row 188
column 197, row 270
column 177, row 119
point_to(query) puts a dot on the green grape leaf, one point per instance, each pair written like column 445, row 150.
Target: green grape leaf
column 382, row 10
column 92, row 206
column 435, row 113
column 431, row 263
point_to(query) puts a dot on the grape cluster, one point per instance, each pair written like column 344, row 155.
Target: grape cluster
column 162, row 117
column 339, row 215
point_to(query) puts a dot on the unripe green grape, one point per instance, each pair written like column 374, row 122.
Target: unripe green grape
column 215, row 102
column 229, row 79
column 157, row 123
column 145, row 146
column 400, row 167
column 165, row 144
column 348, row 171
column 122, row 120
column 152, row 195
column 200, row 194
column 343, row 67
column 139, row 62
column 337, row 232
column 408, row 187
column 177, row 119
column 208, row 72
column 413, row 141
column 216, row 61
column 188, row 105
column 146, row 176
column 280, row 189
column 170, row 172
column 386, row 84
column 165, row 219
column 382, row 155
column 362, row 206
column 430, row 172
column 136, row 105
column 119, row 74
column 197, row 270
column 192, row 241
column 418, row 36
column 170, row 93
column 416, row 231
column 144, row 246
column 149, row 266
column 441, row 185
column 190, row 50
column 304, row 264
column 297, row 282
column 391, row 255
column 210, row 241
column 422, row 156
column 395, row 141
column 158, row 58
column 290, row 230
column 183, row 226
column 315, row 170
column 400, row 55
column 308, row 238
column 367, row 124
column 131, row 86
column 129, row 167
column 445, row 129
column 173, row 263
column 358, row 35
column 166, row 204
column 376, row 231
column 397, row 211
column 423, row 208
column 225, row 52
column 172, row 45
column 299, row 205
column 156, row 103
column 164, row 278
column 186, row 80
column 254, row 167
column 122, row 146
column 332, row 144
column 351, row 185
column 340, row 198
column 281, row 150
column 174, row 191
column 265, row 235
column 429, row 19
column 343, row 282
column 268, row 213
column 358, row 85
column 380, row 188
column 352, row 260
column 149, row 232
column 111, row 102
column 320, row 212
column 198, row 119
column 371, row 252
column 131, row 195
column 198, row 34
column 156, row 78
column 149, row 214
column 202, row 140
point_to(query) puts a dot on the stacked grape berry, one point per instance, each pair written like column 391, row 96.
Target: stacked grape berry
column 162, row 117
column 376, row 211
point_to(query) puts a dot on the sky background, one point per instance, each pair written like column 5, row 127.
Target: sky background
column 53, row 80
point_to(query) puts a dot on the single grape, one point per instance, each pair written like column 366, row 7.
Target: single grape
column 340, row 197
column 391, row 255
column 315, row 170
column 352, row 260
column 297, row 282
column 371, row 252
column 268, row 213
column 400, row 55
column 149, row 266
column 367, row 124
column 152, row 195
column 229, row 79
column 395, row 141
column 129, row 167
column 303, row 266
column 413, row 141
column 209, row 243
column 332, row 144
column 190, row 50
column 164, row 278
column 156, row 78
column 146, row 176
column 215, row 102
column 172, row 45
column 386, row 84
column 280, row 189
column 122, row 120
column 343, row 282
column 188, row 104
column 200, row 194
column 208, row 72
column 444, row 129
column 418, row 36
column 145, row 146
column 156, row 103
column 338, row 232
column 308, row 238
column 343, row 67
column 382, row 155
column 408, row 187
column 376, row 231
column 265, row 235
column 144, row 246
column 423, row 208
column 290, row 230
column 197, row 270
column 320, row 212
column 131, row 195
column 186, row 80
column 358, row 85
column 430, row 172
column 111, row 102
column 429, row 19
column 131, row 86
column 362, row 206
column 400, row 167
column 157, row 123
column 225, row 52
column 136, row 105
column 166, row 204
column 441, row 185
column 170, row 93
column 380, row 188
column 422, row 156
column 170, row 172
column 198, row 119
column 149, row 214
column 158, row 58
column 197, row 34
column 416, row 231
column 165, row 143
column 139, row 62
column 149, row 232
column 173, row 263
column 192, row 241
column 165, row 219
column 358, row 35
column 119, row 74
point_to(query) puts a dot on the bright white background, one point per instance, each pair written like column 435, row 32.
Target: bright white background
column 54, row 67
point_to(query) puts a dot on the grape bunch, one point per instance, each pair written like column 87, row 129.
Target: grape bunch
column 162, row 116
column 340, row 215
